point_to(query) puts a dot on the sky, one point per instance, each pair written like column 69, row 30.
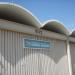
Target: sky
column 61, row 10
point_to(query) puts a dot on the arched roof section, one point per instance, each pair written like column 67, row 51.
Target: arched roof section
column 72, row 33
column 16, row 13
column 55, row 26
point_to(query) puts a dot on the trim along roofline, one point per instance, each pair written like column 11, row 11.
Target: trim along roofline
column 13, row 26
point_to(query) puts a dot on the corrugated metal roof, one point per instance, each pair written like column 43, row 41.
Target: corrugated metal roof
column 55, row 26
column 16, row 13
column 73, row 33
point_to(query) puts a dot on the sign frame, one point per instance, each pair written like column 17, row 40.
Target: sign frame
column 51, row 45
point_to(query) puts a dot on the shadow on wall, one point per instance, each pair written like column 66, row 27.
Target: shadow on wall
column 0, row 74
column 72, row 48
column 55, row 55
column 46, row 61
column 45, row 64
column 1, row 67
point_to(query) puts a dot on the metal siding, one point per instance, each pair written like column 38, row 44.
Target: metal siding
column 72, row 50
column 6, row 53
column 16, row 60
column 9, row 53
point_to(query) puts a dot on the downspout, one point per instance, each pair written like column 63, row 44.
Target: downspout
column 69, row 56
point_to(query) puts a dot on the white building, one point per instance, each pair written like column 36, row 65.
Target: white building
column 28, row 47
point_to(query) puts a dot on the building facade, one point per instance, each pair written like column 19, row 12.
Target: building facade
column 28, row 48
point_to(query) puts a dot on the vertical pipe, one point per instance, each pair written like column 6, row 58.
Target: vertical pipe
column 0, row 54
column 20, row 53
column 69, row 57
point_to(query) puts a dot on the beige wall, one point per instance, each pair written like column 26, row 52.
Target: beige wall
column 72, row 50
column 16, row 60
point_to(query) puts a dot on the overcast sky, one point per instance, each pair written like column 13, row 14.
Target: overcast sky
column 62, row 10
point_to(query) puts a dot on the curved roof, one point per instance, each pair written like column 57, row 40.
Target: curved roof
column 55, row 26
column 73, row 33
column 16, row 13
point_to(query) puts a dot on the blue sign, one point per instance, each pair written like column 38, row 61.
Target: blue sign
column 29, row 43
